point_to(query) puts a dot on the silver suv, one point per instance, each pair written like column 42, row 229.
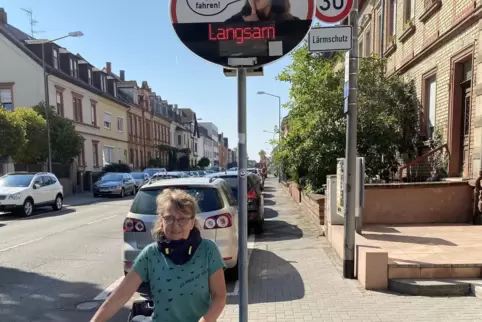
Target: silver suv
column 218, row 218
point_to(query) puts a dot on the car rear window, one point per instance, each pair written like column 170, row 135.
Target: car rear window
column 208, row 199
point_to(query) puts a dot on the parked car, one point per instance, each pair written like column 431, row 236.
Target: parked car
column 167, row 175
column 215, row 204
column 152, row 171
column 115, row 184
column 140, row 178
column 22, row 192
column 255, row 196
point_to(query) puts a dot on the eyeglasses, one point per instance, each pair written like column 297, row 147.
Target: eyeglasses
column 183, row 221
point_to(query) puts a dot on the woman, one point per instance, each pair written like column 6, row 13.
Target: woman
column 185, row 272
column 264, row 10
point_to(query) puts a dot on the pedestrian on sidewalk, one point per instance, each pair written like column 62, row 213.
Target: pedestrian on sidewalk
column 184, row 271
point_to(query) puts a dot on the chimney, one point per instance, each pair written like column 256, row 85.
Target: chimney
column 3, row 17
column 123, row 75
column 108, row 67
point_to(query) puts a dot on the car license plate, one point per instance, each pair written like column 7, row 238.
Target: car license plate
column 103, row 190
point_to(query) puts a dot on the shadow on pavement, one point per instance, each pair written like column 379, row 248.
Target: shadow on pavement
column 268, row 195
column 269, row 202
column 89, row 200
column 270, row 213
column 1, row 225
column 272, row 279
column 27, row 296
column 269, row 189
column 39, row 213
column 278, row 230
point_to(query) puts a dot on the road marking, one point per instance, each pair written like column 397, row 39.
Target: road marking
column 22, row 244
column 105, row 293
column 102, row 219
column 102, row 296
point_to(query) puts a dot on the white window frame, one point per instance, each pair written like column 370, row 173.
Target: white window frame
column 76, row 74
column 6, row 97
column 55, row 58
column 431, row 84
column 111, row 149
column 114, row 88
column 109, row 127
column 71, row 63
column 89, row 76
column 121, row 129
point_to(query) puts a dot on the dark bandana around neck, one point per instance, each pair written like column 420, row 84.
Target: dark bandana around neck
column 180, row 251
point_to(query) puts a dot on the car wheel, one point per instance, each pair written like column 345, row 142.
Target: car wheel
column 28, row 207
column 232, row 274
column 123, row 193
column 59, row 201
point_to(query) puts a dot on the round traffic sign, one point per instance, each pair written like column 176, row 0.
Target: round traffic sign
column 241, row 33
column 333, row 11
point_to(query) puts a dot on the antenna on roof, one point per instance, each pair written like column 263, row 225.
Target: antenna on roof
column 32, row 23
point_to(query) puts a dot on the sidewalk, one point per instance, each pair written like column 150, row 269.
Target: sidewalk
column 80, row 199
column 294, row 275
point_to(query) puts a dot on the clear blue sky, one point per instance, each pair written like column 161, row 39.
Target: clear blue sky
column 137, row 36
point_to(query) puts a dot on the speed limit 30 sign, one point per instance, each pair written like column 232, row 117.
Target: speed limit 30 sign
column 333, row 11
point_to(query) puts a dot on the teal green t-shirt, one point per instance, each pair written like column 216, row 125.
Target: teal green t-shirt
column 180, row 292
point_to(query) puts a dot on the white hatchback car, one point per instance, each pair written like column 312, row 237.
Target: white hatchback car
column 22, row 192
column 218, row 218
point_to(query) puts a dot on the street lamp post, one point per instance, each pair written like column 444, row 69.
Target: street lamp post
column 46, row 86
column 279, row 123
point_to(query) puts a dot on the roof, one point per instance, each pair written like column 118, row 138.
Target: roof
column 204, row 181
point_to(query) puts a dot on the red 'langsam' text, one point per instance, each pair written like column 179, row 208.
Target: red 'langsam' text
column 240, row 34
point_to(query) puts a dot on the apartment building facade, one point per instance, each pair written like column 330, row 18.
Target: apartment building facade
column 76, row 89
column 211, row 150
column 436, row 44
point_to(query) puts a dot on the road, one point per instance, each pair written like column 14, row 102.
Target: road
column 60, row 266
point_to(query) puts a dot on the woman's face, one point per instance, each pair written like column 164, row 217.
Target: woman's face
column 262, row 4
column 177, row 225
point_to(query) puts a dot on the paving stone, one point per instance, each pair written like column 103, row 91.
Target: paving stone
column 294, row 275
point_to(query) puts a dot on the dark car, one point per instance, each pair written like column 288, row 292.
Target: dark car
column 115, row 184
column 255, row 197
column 141, row 178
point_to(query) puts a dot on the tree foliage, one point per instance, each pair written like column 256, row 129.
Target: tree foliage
column 117, row 167
column 12, row 132
column 35, row 147
column 66, row 142
column 203, row 162
column 388, row 112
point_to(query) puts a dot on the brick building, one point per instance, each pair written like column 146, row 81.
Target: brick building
column 435, row 44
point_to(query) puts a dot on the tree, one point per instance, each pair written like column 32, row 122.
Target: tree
column 203, row 162
column 117, row 167
column 12, row 133
column 66, row 143
column 35, row 149
column 388, row 112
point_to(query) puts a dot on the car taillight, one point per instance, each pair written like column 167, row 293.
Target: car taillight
column 252, row 194
column 218, row 221
column 132, row 225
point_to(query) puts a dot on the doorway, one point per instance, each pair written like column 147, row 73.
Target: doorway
column 461, row 103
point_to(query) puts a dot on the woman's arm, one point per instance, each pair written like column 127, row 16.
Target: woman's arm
column 119, row 297
column 217, row 287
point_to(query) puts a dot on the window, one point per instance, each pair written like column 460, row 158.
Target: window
column 107, row 121
column 75, row 69
column 71, row 67
column 120, row 124
column 93, row 113
column 195, row 147
column 89, row 76
column 6, row 98
column 77, row 106
column 131, row 156
column 130, row 125
column 430, row 104
column 409, row 11
column 95, row 152
column 102, row 83
column 60, row 103
column 55, row 57
column 120, row 155
column 368, row 42
column 108, row 155
column 379, row 32
column 392, row 17
column 81, row 157
column 114, row 89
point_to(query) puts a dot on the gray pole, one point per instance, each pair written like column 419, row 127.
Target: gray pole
column 279, row 133
column 242, row 199
column 350, row 158
column 47, row 108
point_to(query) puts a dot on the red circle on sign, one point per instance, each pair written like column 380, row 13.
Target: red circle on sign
column 342, row 15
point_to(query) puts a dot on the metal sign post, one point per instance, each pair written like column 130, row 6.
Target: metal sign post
column 242, row 199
